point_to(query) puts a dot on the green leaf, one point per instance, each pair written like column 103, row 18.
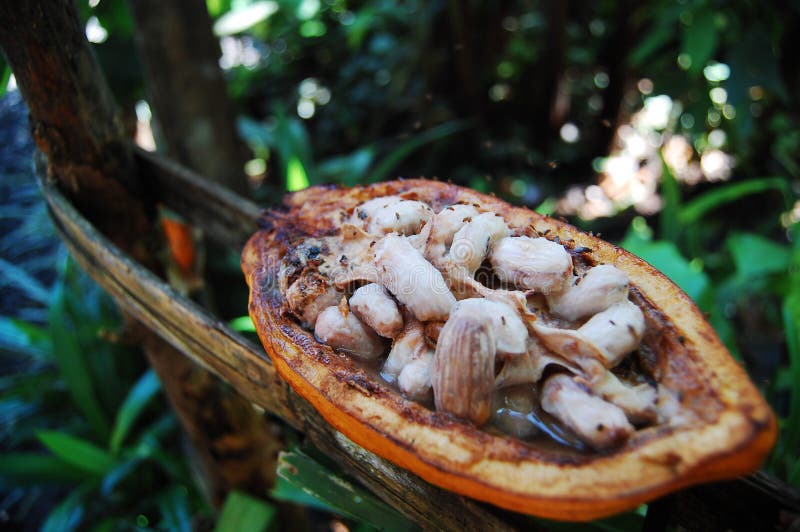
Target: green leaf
column 671, row 192
column 384, row 168
column 655, row 40
column 68, row 514
column 548, row 206
column 243, row 512
column 14, row 276
column 175, row 512
column 296, row 178
column 289, row 138
column 18, row 469
column 665, row 256
column 25, row 338
column 694, row 210
column 142, row 392
column 242, row 324
column 756, row 256
column 78, row 452
column 791, row 325
column 700, row 39
column 120, row 472
column 336, row 492
column 5, row 75
column 347, row 169
column 74, row 366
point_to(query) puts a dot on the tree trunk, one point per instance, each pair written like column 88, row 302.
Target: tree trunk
column 74, row 118
column 76, row 124
column 194, row 117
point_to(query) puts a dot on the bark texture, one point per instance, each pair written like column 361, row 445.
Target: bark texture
column 74, row 118
column 76, row 123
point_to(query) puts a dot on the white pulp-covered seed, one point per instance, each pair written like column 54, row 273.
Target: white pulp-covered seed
column 411, row 279
column 346, row 332
column 444, row 225
column 510, row 332
column 531, row 263
column 601, row 287
column 601, row 342
column 405, row 217
column 409, row 345
column 596, row 422
column 364, row 213
column 616, row 331
column 472, row 242
column 374, row 306
column 639, row 402
column 415, row 380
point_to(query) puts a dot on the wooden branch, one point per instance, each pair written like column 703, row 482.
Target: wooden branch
column 77, row 125
column 207, row 341
column 235, row 447
column 225, row 217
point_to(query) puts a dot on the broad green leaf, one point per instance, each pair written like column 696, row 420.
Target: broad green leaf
column 23, row 469
column 242, row 324
column 78, row 452
column 694, row 210
column 336, row 492
column 74, row 366
column 142, row 392
column 700, row 39
column 665, row 256
column 243, row 512
column 296, row 178
column 756, row 256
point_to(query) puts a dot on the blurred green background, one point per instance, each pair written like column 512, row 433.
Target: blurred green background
column 670, row 127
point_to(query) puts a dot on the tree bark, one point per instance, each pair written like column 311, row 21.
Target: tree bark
column 76, row 124
column 74, row 118
column 194, row 116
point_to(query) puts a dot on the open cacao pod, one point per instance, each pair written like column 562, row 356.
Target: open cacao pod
column 708, row 422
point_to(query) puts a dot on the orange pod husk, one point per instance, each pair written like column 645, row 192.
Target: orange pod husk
column 180, row 243
column 731, row 433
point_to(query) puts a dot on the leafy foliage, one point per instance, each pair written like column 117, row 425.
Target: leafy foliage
column 477, row 92
column 91, row 422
